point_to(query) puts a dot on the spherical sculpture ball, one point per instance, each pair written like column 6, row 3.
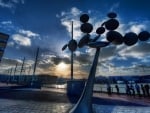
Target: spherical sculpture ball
column 130, row 39
column 114, row 37
column 111, row 24
column 72, row 45
column 84, row 18
column 86, row 28
column 100, row 30
column 112, row 15
column 84, row 40
column 144, row 36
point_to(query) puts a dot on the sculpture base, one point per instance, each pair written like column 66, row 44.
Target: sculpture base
column 75, row 87
column 35, row 84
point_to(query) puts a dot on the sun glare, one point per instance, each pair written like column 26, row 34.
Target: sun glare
column 62, row 69
column 62, row 66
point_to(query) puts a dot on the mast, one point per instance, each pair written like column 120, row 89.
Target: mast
column 22, row 68
column 35, row 64
column 15, row 69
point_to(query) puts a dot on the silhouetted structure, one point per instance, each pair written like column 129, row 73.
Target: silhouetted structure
column 43, row 79
column 3, row 42
column 84, row 105
column 72, row 45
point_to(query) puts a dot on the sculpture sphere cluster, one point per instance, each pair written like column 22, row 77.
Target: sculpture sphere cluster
column 112, row 36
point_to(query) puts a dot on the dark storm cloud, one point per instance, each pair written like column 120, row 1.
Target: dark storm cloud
column 44, row 65
column 57, row 60
column 50, row 61
column 83, row 58
column 139, row 51
column 10, row 62
column 107, row 52
column 141, row 48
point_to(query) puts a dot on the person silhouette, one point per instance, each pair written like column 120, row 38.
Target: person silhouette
column 147, row 89
column 108, row 89
column 137, row 87
column 117, row 88
column 132, row 89
column 143, row 89
column 128, row 92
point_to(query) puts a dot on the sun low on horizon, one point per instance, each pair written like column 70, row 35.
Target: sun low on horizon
column 62, row 69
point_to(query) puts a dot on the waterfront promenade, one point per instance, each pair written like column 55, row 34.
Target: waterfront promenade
column 22, row 106
column 52, row 100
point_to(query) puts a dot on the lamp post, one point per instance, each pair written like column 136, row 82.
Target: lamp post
column 84, row 104
column 72, row 45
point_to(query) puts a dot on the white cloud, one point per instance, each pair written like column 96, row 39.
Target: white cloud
column 10, row 44
column 139, row 51
column 10, row 3
column 114, row 6
column 6, row 22
column 63, row 13
column 7, row 25
column 21, row 40
column 90, row 51
column 28, row 33
column 6, row 5
column 136, row 27
column 75, row 11
column 67, row 18
column 76, row 24
column 77, row 53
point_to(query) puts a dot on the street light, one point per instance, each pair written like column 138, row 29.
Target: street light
column 73, row 84
column 84, row 104
column 72, row 45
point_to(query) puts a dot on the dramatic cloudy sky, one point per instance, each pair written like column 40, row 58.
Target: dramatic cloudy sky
column 47, row 24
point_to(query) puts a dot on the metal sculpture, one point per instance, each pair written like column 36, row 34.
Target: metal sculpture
column 84, row 104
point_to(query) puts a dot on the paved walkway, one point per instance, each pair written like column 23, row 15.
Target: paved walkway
column 136, row 99
column 58, row 93
column 24, row 106
column 20, row 106
column 6, row 85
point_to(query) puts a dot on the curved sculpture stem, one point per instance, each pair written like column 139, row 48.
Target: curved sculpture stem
column 84, row 104
column 71, row 66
